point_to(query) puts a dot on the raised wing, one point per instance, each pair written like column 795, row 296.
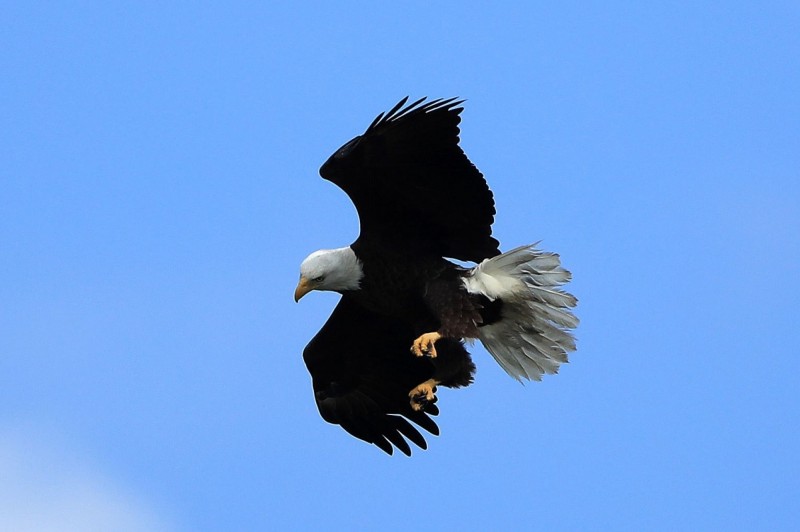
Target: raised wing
column 413, row 185
column 362, row 371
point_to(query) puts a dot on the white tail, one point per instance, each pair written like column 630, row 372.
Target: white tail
column 533, row 334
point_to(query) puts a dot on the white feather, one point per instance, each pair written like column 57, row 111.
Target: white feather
column 533, row 336
column 337, row 269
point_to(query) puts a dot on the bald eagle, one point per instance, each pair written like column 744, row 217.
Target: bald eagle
column 398, row 330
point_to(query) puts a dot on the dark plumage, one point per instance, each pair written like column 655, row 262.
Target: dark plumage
column 361, row 381
column 412, row 184
column 420, row 200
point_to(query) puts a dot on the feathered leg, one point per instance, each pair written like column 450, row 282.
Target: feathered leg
column 453, row 369
column 451, row 304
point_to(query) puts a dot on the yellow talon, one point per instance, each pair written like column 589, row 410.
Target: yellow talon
column 423, row 394
column 423, row 346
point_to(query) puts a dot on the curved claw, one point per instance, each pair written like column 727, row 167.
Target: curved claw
column 423, row 395
column 424, row 345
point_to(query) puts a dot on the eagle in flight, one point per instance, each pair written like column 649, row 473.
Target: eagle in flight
column 399, row 328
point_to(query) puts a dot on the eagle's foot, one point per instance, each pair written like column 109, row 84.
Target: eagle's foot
column 423, row 395
column 423, row 346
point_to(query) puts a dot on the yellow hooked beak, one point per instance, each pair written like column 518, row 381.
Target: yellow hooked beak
column 303, row 287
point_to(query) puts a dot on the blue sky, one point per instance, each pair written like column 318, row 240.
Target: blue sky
column 159, row 187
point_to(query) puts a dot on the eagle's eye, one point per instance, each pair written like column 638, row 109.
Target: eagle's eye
column 318, row 279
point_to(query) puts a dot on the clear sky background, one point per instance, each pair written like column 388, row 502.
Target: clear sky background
column 159, row 188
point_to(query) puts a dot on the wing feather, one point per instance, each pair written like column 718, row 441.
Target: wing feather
column 413, row 185
column 362, row 372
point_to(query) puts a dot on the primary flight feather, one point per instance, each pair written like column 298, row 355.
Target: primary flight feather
column 398, row 331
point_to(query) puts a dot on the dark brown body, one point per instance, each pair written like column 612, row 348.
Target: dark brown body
column 427, row 294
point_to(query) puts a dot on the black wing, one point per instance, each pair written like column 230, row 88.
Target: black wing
column 362, row 371
column 413, row 185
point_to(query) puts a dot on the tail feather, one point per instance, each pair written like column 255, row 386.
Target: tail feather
column 533, row 336
column 553, row 297
column 557, row 315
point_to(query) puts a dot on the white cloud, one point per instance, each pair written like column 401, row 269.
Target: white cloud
column 46, row 488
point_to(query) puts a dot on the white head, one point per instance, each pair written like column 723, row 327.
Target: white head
column 329, row 269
